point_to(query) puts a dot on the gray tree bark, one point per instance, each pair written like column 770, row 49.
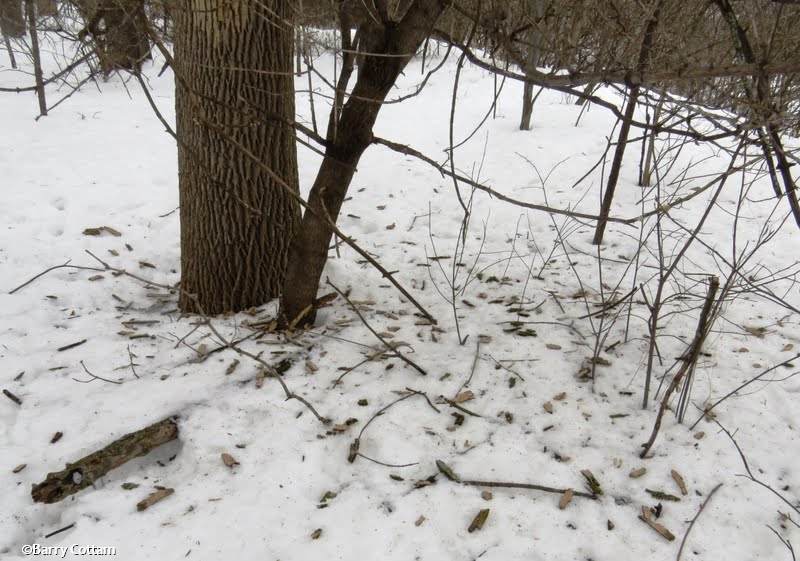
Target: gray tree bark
column 234, row 90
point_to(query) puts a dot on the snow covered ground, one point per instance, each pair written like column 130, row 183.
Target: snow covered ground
column 102, row 159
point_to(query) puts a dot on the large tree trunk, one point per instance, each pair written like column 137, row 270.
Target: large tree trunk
column 236, row 222
column 389, row 47
column 12, row 19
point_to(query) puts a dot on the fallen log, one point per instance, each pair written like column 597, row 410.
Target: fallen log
column 84, row 472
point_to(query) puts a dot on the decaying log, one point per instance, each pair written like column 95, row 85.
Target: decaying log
column 84, row 472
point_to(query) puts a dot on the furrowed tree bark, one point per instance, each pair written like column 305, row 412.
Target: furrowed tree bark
column 389, row 46
column 236, row 222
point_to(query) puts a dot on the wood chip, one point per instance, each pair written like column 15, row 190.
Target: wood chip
column 56, row 437
column 447, row 471
column 592, row 482
column 19, row 468
column 680, row 482
column 553, row 346
column 231, row 367
column 419, row 521
column 479, row 520
column 71, row 345
column 12, row 397
column 153, row 498
column 315, row 535
column 547, row 406
column 229, row 460
column 647, row 518
column 638, row 472
column 560, row 397
column 566, row 498
column 661, row 495
column 486, row 495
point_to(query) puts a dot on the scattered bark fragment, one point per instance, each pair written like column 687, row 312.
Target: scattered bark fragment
column 56, row 437
column 560, row 397
column 680, row 482
column 418, row 522
column 363, row 402
column 566, row 498
column 84, row 472
column 19, row 468
column 260, row 377
column 548, row 406
column 699, row 434
column 609, row 525
column 353, row 452
column 447, row 471
column 229, row 460
column 231, row 367
column 479, row 520
column 638, row 472
column 153, row 498
column 486, row 495
column 592, row 482
column 662, row 496
column 647, row 518
column 129, row 486
column 12, row 397
column 71, row 345
column 315, row 535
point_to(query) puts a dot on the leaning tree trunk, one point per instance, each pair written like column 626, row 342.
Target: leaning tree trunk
column 388, row 46
column 236, row 221
column 12, row 19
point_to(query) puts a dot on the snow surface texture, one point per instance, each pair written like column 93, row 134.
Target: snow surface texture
column 103, row 159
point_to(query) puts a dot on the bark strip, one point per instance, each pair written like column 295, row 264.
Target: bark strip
column 84, row 472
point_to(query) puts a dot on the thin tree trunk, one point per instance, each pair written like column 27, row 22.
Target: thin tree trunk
column 30, row 12
column 763, row 108
column 622, row 140
column 616, row 166
column 536, row 12
column 10, row 50
column 649, row 159
column 236, row 222
column 393, row 44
